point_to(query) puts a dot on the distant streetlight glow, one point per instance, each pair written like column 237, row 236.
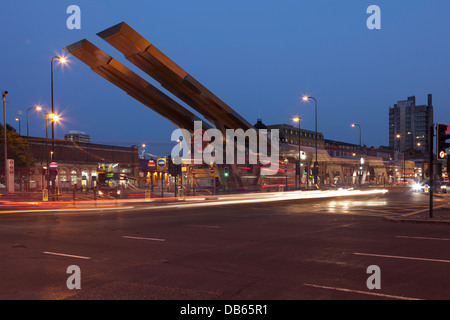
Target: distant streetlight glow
column 18, row 120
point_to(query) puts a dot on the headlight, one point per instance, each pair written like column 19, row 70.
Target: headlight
column 416, row 187
column 100, row 193
column 118, row 191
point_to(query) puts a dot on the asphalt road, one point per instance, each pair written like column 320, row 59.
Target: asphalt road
column 292, row 250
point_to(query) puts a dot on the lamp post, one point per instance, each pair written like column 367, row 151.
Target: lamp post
column 47, row 116
column 61, row 60
column 398, row 136
column 38, row 108
column 4, row 94
column 306, row 98
column 360, row 151
column 18, row 119
column 357, row 125
column 298, row 119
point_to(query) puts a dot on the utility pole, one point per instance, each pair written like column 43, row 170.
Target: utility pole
column 4, row 94
column 431, row 169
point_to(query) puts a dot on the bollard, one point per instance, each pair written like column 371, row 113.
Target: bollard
column 45, row 195
column 180, row 193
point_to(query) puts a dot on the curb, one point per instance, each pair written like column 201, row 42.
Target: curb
column 423, row 220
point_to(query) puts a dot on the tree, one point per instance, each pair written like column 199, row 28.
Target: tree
column 18, row 149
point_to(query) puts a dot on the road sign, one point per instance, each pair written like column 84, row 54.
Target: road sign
column 151, row 165
column 162, row 163
column 53, row 166
column 212, row 171
column 193, row 171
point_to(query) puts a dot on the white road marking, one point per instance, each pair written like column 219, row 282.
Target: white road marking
column 66, row 255
column 360, row 292
column 400, row 257
column 424, row 238
column 148, row 239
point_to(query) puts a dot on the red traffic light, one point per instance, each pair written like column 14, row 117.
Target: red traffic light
column 441, row 140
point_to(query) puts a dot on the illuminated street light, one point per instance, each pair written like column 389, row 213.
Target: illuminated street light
column 398, row 136
column 18, row 120
column 298, row 119
column 62, row 60
column 360, row 151
column 38, row 108
column 357, row 125
column 306, row 98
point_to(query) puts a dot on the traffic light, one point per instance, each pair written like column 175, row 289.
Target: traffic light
column 441, row 140
column 226, row 172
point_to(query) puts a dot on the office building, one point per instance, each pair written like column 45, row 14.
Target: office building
column 409, row 125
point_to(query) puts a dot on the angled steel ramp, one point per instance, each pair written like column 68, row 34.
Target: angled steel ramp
column 118, row 74
column 172, row 77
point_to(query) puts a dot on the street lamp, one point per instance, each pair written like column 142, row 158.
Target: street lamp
column 360, row 152
column 306, row 98
column 398, row 136
column 357, row 125
column 62, row 60
column 38, row 108
column 298, row 119
column 18, row 119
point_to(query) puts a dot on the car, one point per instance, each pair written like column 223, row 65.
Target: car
column 445, row 187
column 424, row 186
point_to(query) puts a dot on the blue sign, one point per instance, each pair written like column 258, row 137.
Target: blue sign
column 161, row 162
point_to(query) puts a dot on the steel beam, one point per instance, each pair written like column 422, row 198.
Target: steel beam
column 121, row 76
column 172, row 77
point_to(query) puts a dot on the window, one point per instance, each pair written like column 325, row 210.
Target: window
column 73, row 177
column 63, row 175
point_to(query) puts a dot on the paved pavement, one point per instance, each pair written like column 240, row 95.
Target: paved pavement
column 440, row 214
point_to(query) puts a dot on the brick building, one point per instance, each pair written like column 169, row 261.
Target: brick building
column 77, row 161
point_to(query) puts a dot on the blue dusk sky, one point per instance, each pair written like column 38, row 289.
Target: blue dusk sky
column 253, row 54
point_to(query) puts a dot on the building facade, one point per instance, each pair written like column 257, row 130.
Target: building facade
column 76, row 135
column 78, row 161
column 292, row 135
column 409, row 125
